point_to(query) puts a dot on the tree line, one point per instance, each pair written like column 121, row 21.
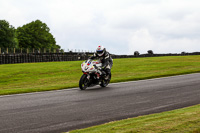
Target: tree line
column 35, row 34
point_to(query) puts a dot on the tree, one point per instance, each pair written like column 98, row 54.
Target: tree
column 7, row 35
column 36, row 35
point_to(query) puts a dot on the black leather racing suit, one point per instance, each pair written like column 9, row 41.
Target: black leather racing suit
column 106, row 61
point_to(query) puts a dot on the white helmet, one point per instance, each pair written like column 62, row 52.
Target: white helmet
column 100, row 50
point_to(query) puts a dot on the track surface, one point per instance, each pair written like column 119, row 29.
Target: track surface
column 58, row 111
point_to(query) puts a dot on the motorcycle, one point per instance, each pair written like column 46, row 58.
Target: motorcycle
column 92, row 75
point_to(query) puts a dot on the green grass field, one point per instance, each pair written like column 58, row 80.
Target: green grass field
column 186, row 120
column 33, row 77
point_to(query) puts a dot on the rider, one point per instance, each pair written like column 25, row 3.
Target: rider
column 104, row 57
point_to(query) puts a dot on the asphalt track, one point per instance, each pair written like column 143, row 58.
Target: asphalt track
column 59, row 111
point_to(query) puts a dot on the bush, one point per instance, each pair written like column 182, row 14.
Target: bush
column 183, row 53
column 150, row 52
column 136, row 53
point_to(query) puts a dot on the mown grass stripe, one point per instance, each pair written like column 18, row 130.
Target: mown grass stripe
column 34, row 77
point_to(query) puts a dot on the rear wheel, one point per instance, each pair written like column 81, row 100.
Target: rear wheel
column 105, row 82
column 83, row 83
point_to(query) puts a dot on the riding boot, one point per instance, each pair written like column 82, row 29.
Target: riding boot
column 107, row 73
column 103, row 73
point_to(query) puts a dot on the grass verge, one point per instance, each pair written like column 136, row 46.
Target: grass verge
column 34, row 77
column 186, row 120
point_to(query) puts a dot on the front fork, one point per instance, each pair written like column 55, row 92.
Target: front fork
column 88, row 76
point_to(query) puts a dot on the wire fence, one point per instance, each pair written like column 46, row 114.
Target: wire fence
column 38, row 50
column 28, row 50
column 41, row 57
column 28, row 55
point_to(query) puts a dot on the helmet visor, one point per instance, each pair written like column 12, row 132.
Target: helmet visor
column 99, row 51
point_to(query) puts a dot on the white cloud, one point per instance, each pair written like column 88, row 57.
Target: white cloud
column 142, row 41
column 122, row 26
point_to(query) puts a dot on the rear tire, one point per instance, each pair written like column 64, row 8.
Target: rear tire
column 104, row 82
column 83, row 83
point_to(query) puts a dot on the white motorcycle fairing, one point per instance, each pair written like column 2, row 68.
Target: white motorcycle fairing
column 91, row 75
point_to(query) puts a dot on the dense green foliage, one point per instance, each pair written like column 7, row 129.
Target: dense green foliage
column 186, row 120
column 7, row 35
column 31, row 77
column 32, row 35
column 36, row 35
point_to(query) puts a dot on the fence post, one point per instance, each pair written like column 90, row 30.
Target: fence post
column 0, row 50
column 33, row 50
column 44, row 50
column 21, row 50
column 49, row 50
column 27, row 50
column 7, row 50
column 14, row 51
column 39, row 50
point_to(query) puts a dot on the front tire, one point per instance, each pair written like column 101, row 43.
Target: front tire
column 83, row 83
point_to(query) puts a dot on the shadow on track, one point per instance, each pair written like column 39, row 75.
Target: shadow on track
column 96, row 88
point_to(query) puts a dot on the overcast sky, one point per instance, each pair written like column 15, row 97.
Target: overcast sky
column 122, row 26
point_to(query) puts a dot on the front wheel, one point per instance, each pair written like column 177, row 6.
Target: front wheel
column 83, row 83
column 105, row 82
